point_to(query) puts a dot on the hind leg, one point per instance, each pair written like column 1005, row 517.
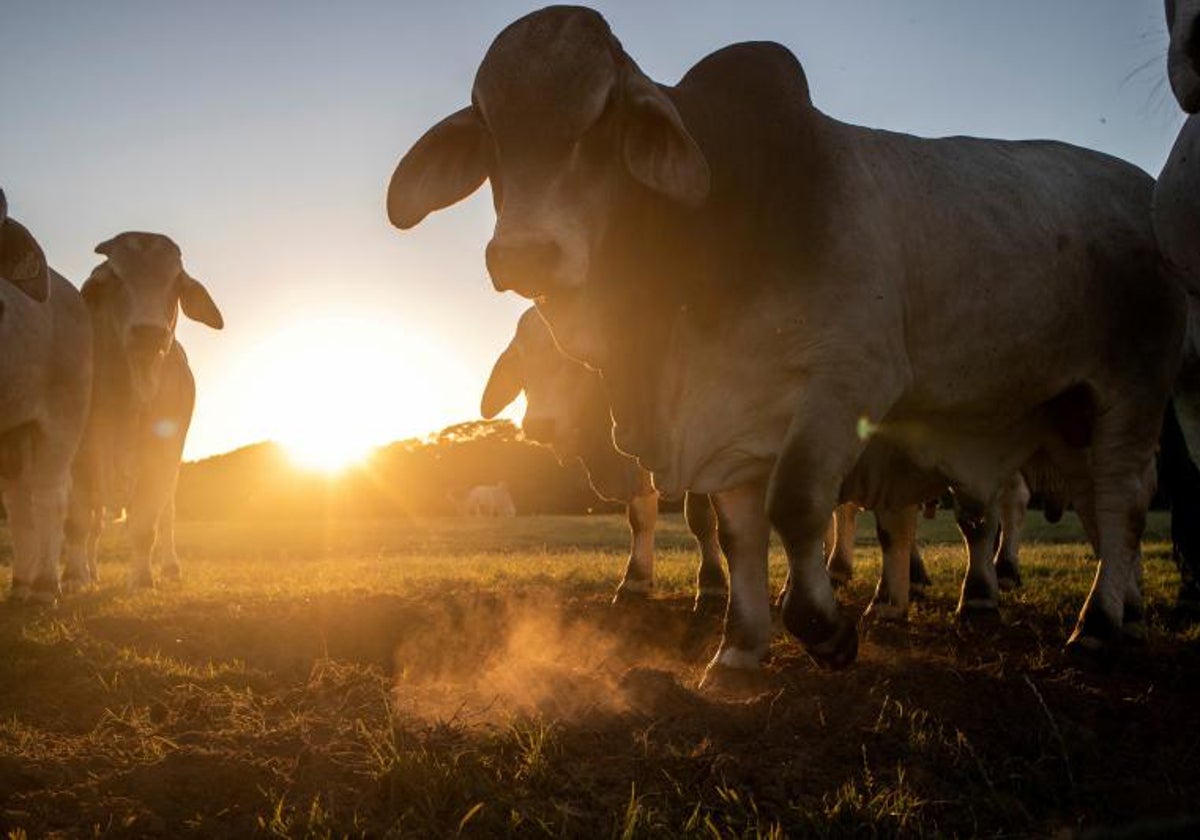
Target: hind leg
column 839, row 543
column 164, row 556
column 1014, row 501
column 1122, row 479
column 712, row 589
column 897, row 530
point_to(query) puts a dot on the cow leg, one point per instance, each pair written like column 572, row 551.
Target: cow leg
column 1123, row 477
column 81, row 533
column 918, row 575
column 712, row 589
column 18, row 505
column 897, row 531
column 1014, row 501
column 1181, row 479
column 825, row 438
column 979, row 523
column 164, row 555
column 49, row 511
column 839, row 543
column 638, row 581
column 744, row 535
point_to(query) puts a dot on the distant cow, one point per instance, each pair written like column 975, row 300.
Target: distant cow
column 142, row 399
column 566, row 410
column 780, row 302
column 45, row 377
column 485, row 500
column 1177, row 223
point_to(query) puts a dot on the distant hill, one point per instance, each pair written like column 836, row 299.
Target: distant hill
column 408, row 477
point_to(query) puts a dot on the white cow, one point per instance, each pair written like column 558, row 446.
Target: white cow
column 565, row 409
column 142, row 400
column 781, row 303
column 486, row 500
column 45, row 377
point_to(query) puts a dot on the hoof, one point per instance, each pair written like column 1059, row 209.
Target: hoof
column 839, row 650
column 726, row 680
column 632, row 592
column 981, row 615
column 46, row 591
column 1091, row 652
column 883, row 611
column 1135, row 633
column 710, row 603
column 73, row 583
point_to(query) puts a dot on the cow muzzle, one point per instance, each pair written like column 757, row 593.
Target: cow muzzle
column 529, row 267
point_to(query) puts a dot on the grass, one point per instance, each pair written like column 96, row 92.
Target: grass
column 443, row 677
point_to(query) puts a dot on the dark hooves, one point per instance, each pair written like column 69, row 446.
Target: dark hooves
column 979, row 616
column 631, row 595
column 727, row 681
column 839, row 650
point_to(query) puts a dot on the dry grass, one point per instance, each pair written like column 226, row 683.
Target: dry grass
column 442, row 677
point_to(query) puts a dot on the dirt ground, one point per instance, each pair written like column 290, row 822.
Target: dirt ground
column 352, row 685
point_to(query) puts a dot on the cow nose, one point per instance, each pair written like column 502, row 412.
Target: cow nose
column 527, row 266
column 149, row 340
column 538, row 430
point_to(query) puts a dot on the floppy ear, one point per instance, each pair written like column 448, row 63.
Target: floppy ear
column 503, row 386
column 22, row 261
column 99, row 280
column 196, row 303
column 446, row 165
column 659, row 152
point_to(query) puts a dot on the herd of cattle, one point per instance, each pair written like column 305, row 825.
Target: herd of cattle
column 737, row 297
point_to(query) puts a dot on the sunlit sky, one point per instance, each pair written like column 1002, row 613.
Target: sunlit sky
column 261, row 136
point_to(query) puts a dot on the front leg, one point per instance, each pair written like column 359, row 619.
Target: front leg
column 827, row 435
column 744, row 535
column 979, row 523
column 164, row 555
column 638, row 581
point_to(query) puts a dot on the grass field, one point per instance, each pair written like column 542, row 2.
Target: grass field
column 441, row 677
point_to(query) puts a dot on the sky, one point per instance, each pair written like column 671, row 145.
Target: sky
column 261, row 137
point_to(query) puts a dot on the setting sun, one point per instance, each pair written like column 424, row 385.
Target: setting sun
column 330, row 389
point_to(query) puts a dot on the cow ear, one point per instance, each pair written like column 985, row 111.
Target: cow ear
column 446, row 165
column 197, row 304
column 659, row 152
column 22, row 261
column 503, row 386
column 98, row 281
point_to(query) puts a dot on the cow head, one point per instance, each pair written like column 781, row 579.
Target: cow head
column 137, row 292
column 22, row 262
column 1183, row 58
column 566, row 127
column 561, row 395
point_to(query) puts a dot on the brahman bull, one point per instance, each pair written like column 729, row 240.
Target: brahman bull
column 45, row 377
column 774, row 297
column 142, row 399
column 565, row 409
column 1177, row 223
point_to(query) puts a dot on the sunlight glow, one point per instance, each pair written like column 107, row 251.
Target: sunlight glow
column 331, row 389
